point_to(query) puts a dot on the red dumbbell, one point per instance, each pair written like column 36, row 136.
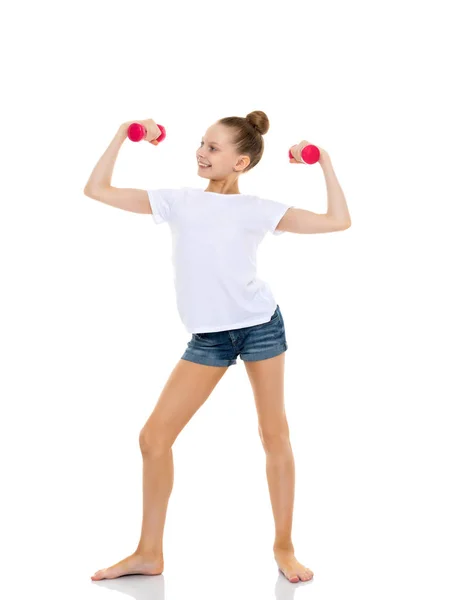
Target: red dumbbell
column 310, row 154
column 137, row 132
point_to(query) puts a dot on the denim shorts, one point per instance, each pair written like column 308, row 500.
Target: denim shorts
column 221, row 348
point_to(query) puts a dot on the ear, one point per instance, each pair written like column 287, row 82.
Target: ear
column 242, row 163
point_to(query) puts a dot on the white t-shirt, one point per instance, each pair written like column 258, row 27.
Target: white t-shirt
column 214, row 242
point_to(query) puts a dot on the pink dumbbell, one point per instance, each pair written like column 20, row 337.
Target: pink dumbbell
column 310, row 154
column 137, row 132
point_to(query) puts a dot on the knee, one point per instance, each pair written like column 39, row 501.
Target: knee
column 151, row 443
column 275, row 441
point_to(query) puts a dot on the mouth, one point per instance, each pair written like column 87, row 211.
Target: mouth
column 203, row 165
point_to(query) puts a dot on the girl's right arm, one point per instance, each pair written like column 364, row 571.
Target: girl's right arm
column 99, row 186
column 130, row 199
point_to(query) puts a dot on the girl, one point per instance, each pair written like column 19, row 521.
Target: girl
column 228, row 310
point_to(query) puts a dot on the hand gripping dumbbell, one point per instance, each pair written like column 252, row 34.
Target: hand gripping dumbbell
column 310, row 154
column 138, row 131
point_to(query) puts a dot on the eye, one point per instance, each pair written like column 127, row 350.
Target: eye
column 210, row 146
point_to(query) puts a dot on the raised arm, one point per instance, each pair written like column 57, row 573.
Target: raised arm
column 99, row 186
column 299, row 220
column 337, row 217
column 133, row 200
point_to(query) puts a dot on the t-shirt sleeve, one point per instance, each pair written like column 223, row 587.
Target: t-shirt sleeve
column 162, row 202
column 270, row 214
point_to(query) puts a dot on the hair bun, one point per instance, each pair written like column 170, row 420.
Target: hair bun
column 255, row 125
column 259, row 120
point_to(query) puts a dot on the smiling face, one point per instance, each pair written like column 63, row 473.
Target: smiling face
column 217, row 151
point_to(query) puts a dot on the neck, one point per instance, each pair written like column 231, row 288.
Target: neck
column 219, row 188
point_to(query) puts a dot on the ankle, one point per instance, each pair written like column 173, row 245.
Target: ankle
column 283, row 546
column 150, row 553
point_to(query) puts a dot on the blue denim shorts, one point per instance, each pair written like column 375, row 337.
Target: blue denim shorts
column 221, row 348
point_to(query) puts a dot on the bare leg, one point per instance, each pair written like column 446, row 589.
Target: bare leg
column 280, row 470
column 187, row 388
column 267, row 381
column 157, row 487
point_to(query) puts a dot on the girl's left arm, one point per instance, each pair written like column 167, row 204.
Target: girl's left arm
column 337, row 217
column 337, row 205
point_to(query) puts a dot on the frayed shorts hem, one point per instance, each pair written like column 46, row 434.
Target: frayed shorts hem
column 269, row 353
column 210, row 362
column 249, row 357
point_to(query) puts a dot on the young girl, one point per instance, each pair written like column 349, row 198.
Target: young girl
column 229, row 311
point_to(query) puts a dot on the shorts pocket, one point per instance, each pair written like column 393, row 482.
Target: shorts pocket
column 204, row 339
column 276, row 315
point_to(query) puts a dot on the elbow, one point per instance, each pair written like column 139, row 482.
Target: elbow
column 88, row 192
column 340, row 226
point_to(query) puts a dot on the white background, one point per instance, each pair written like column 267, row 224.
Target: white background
column 90, row 331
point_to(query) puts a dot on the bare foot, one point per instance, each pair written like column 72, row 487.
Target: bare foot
column 290, row 567
column 132, row 565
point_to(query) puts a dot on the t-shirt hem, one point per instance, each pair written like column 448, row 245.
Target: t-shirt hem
column 235, row 325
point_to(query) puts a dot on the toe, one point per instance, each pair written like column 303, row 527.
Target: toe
column 97, row 574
